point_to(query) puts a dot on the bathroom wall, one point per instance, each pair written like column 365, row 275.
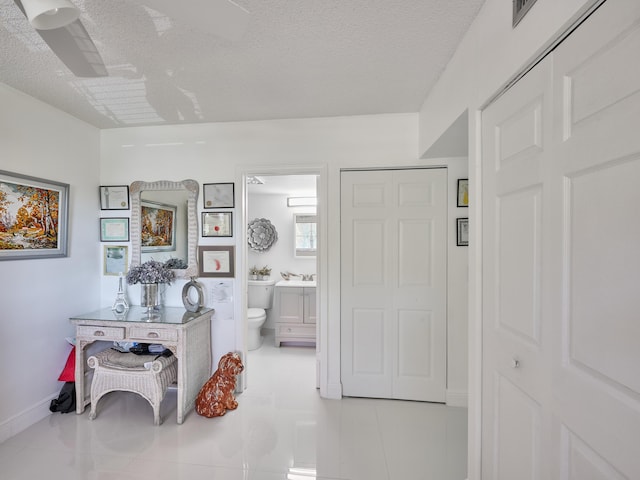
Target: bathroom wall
column 280, row 257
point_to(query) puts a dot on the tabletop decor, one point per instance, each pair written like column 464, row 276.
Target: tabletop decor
column 120, row 305
column 149, row 275
column 261, row 235
column 193, row 295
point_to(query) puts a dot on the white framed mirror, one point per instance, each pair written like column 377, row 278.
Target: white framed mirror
column 175, row 200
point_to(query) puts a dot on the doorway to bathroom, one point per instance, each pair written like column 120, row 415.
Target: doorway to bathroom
column 282, row 248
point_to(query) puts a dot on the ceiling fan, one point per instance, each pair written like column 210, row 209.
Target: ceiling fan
column 58, row 23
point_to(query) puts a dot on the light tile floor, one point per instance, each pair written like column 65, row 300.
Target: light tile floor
column 282, row 430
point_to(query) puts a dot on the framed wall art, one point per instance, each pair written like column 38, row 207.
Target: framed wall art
column 116, row 259
column 463, row 192
column 216, row 261
column 34, row 216
column 157, row 227
column 462, row 236
column 217, row 224
column 114, row 197
column 218, row 195
column 114, row 229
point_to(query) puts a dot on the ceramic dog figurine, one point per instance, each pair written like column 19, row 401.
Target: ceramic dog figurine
column 216, row 396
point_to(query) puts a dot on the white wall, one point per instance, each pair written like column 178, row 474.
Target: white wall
column 38, row 296
column 489, row 54
column 458, row 291
column 217, row 152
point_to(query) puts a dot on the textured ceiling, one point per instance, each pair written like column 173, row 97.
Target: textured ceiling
column 296, row 59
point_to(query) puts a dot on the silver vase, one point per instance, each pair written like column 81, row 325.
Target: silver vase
column 149, row 297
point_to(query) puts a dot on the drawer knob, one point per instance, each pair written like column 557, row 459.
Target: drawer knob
column 152, row 335
column 515, row 363
column 288, row 329
column 99, row 333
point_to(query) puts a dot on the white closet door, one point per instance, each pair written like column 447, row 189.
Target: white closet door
column 596, row 381
column 516, row 134
column 393, row 283
column 561, row 263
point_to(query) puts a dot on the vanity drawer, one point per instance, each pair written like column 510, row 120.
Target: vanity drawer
column 298, row 331
column 98, row 332
column 153, row 335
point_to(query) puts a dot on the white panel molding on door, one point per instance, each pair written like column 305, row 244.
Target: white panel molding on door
column 561, row 264
column 596, row 381
column 516, row 132
column 393, row 283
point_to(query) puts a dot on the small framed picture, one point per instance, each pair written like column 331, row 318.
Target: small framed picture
column 463, row 192
column 217, row 224
column 114, row 197
column 114, row 229
column 463, row 232
column 218, row 195
column 116, row 259
column 216, row 261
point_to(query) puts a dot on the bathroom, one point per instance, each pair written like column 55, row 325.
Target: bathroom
column 284, row 200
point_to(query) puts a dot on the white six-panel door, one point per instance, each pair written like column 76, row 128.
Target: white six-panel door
column 561, row 261
column 393, row 283
column 516, row 337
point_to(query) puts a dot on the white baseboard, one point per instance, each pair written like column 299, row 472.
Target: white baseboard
column 459, row 398
column 334, row 391
column 26, row 418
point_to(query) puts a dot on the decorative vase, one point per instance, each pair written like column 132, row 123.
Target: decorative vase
column 149, row 297
column 193, row 289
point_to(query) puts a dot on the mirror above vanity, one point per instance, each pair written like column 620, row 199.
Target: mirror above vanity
column 164, row 223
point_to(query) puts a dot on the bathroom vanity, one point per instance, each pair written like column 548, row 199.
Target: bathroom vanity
column 295, row 304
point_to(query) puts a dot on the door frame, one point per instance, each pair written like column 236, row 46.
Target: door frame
column 241, row 328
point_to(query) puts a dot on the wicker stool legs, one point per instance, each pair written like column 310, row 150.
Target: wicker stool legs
column 115, row 371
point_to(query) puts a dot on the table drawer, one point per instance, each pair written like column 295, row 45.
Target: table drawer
column 293, row 330
column 153, row 335
column 98, row 332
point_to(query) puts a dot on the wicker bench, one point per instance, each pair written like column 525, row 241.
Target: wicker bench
column 117, row 371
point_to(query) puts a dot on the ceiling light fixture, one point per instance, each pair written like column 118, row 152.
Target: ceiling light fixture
column 50, row 14
column 302, row 202
column 253, row 180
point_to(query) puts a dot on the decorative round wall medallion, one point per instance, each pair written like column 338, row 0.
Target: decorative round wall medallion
column 191, row 304
column 261, row 235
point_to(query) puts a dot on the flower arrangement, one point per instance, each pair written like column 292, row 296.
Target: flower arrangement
column 150, row 271
column 264, row 271
column 176, row 264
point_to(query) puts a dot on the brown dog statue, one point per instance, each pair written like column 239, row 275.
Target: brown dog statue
column 216, row 396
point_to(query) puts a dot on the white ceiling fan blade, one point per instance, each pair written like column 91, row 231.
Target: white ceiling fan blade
column 74, row 48
column 223, row 18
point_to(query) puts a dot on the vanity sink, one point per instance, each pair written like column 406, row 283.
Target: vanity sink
column 296, row 283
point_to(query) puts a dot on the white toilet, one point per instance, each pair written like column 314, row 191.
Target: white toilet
column 260, row 297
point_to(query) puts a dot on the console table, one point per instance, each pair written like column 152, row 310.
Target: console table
column 186, row 334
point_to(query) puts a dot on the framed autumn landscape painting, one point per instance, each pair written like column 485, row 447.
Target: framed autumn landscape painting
column 33, row 217
column 158, row 226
